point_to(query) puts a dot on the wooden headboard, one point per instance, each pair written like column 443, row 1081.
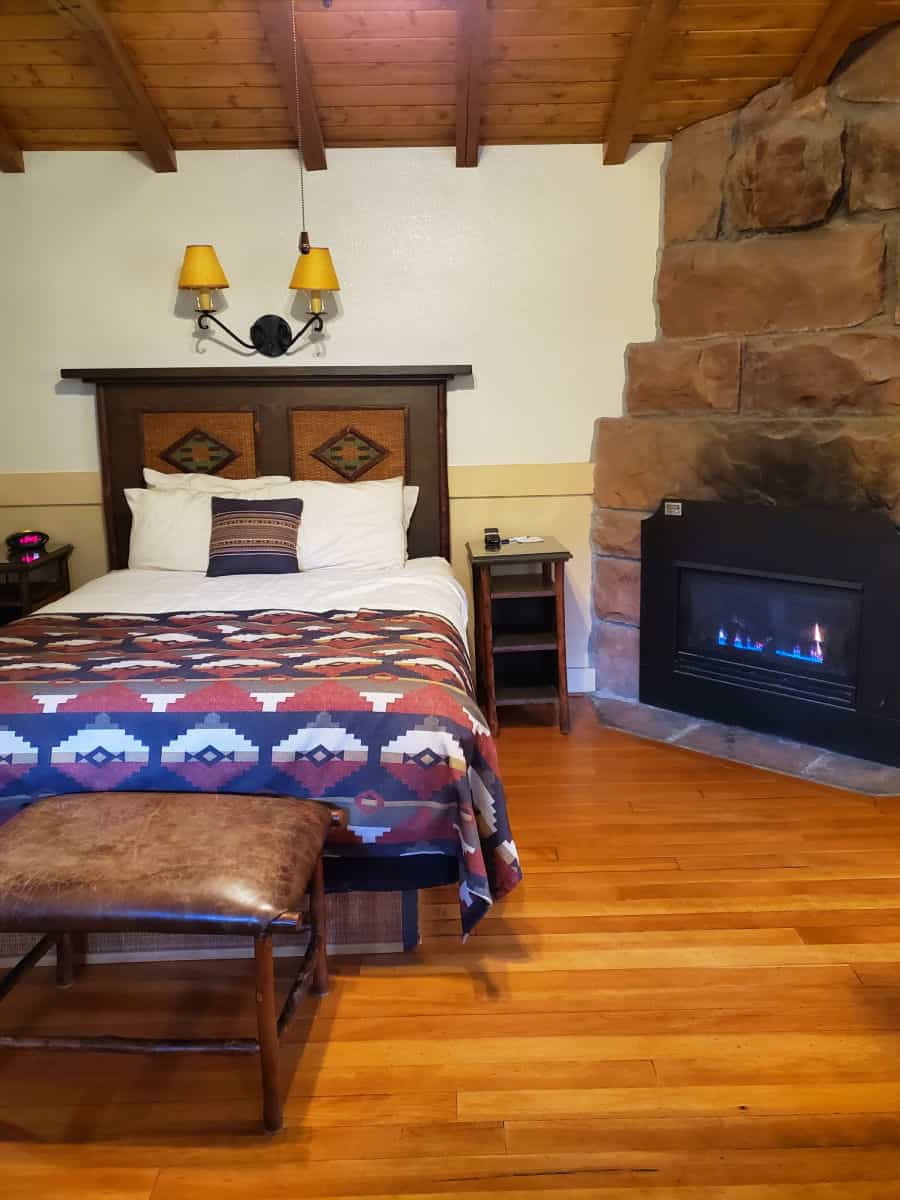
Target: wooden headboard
column 337, row 423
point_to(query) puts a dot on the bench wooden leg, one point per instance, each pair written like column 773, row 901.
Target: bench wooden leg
column 319, row 928
column 65, row 972
column 267, row 1027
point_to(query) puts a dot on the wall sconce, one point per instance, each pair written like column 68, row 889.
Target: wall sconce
column 271, row 335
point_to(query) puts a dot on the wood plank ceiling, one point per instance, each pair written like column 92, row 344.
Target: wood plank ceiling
column 212, row 73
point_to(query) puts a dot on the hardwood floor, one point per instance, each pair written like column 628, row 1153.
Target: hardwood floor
column 695, row 994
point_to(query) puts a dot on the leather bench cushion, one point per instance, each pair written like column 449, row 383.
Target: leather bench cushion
column 190, row 862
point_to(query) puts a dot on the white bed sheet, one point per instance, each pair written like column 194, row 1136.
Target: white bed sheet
column 423, row 584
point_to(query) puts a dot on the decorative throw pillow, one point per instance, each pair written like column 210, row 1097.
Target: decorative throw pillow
column 254, row 537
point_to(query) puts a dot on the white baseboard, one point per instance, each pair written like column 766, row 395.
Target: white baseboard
column 581, row 679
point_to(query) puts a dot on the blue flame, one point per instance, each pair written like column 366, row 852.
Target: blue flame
column 757, row 648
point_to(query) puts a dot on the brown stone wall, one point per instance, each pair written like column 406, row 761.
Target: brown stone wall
column 775, row 377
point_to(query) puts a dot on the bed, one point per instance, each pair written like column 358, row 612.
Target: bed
column 344, row 683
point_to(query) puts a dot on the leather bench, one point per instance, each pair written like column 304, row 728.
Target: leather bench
column 170, row 862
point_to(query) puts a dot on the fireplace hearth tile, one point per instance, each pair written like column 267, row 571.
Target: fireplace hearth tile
column 838, row 770
column 748, row 747
column 659, row 724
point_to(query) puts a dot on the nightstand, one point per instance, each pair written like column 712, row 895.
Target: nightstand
column 25, row 586
column 520, row 626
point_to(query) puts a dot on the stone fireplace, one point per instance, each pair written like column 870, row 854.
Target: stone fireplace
column 775, row 378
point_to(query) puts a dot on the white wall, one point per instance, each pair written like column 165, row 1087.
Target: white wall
column 537, row 267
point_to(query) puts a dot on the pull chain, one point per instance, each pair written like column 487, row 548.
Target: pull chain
column 304, row 236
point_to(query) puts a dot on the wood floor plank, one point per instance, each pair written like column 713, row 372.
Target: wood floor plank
column 519, row 926
column 230, row 1140
column 671, row 1132
column 653, row 1043
column 59, row 1182
column 700, row 1099
column 591, row 1173
column 188, row 1187
column 878, row 975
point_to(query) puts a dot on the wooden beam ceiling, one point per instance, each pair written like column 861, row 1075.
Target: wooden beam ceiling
column 109, row 56
column 471, row 46
column 641, row 62
column 842, row 22
column 10, row 154
column 277, row 20
column 407, row 72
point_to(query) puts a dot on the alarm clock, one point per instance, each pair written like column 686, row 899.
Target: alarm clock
column 27, row 541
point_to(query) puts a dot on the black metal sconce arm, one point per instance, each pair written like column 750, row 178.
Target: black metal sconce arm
column 270, row 335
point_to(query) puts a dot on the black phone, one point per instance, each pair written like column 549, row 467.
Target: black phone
column 492, row 538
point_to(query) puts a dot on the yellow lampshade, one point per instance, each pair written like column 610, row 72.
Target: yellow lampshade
column 201, row 269
column 314, row 272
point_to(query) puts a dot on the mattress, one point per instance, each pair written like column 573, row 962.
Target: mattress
column 425, row 584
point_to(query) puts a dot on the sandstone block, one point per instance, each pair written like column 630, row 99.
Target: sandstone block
column 787, row 174
column 873, row 152
column 693, row 192
column 825, row 373
column 851, row 462
column 616, row 531
column 615, row 651
column 777, row 102
column 875, row 73
column 765, row 107
column 673, row 377
column 640, row 460
column 841, row 463
column 796, row 281
column 617, row 589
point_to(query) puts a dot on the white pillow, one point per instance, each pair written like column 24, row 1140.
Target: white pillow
column 212, row 485
column 170, row 529
column 358, row 525
column 410, row 500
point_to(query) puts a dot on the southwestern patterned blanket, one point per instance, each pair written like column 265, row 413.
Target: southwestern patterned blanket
column 372, row 710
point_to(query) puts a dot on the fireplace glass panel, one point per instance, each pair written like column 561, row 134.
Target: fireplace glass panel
column 761, row 622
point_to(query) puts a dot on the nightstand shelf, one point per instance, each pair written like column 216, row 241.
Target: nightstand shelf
column 537, row 694
column 517, row 643
column 520, row 637
column 515, row 587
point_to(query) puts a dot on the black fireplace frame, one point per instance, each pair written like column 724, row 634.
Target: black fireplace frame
column 860, row 550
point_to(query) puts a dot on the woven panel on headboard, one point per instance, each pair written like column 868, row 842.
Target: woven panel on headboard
column 214, row 443
column 347, row 444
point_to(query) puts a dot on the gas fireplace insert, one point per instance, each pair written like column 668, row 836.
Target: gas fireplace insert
column 782, row 620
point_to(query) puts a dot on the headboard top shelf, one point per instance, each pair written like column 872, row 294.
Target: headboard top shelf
column 261, row 374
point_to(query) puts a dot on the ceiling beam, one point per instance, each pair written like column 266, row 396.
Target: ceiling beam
column 109, row 56
column 277, row 21
column 641, row 61
column 471, row 47
column 843, row 21
column 10, row 152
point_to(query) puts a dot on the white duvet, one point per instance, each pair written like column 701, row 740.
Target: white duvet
column 423, row 584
